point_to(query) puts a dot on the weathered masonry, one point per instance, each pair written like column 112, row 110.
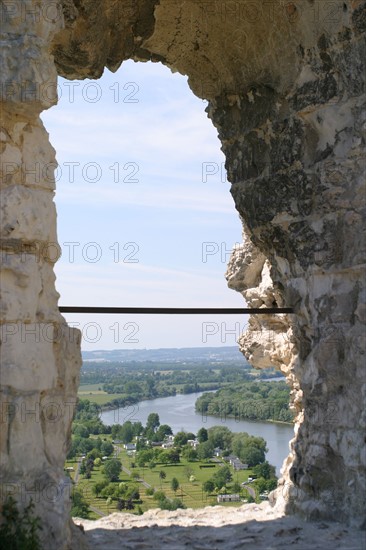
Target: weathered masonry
column 285, row 85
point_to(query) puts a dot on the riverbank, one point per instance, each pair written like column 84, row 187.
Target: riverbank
column 236, row 419
column 269, row 421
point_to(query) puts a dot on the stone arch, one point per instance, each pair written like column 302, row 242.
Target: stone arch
column 284, row 81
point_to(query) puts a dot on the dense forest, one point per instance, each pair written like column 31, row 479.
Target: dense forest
column 249, row 401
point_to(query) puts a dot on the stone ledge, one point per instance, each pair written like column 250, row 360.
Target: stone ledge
column 215, row 528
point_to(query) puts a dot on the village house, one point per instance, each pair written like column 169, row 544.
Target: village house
column 168, row 444
column 236, row 463
column 228, row 498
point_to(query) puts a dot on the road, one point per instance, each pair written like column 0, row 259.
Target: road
column 77, row 473
column 76, row 479
column 97, row 511
column 250, row 490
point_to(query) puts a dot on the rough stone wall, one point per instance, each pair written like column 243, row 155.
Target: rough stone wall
column 40, row 354
column 285, row 87
column 297, row 168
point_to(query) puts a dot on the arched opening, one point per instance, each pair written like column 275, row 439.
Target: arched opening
column 138, row 158
column 144, row 214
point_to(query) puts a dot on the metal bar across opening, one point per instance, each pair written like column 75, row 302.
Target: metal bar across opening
column 176, row 310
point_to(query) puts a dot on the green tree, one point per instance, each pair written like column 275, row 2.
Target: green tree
column 205, row 450
column 107, row 448
column 137, row 428
column 189, row 453
column 81, row 430
column 222, row 477
column 144, row 457
column 173, row 456
column 162, row 475
column 115, row 430
column 159, row 495
column 108, row 491
column 252, row 456
column 181, row 439
column 79, row 506
column 271, row 484
column 163, row 431
column 220, row 436
column 208, row 486
column 174, row 484
column 98, row 487
column 170, row 456
column 173, row 504
column 126, row 432
column 153, row 422
column 93, row 454
column 202, row 435
column 265, row 470
column 121, row 504
column 260, row 484
column 250, row 449
column 112, row 469
column 236, row 488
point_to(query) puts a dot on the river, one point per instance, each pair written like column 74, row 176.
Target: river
column 179, row 413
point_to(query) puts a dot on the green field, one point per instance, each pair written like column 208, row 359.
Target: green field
column 96, row 395
column 91, row 388
column 85, row 486
column 190, row 493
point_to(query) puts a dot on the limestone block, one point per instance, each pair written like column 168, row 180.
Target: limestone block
column 245, row 267
column 68, row 357
column 28, row 78
column 27, row 214
column 27, row 292
column 58, row 405
column 48, row 298
column 26, row 444
column 11, row 161
column 20, row 286
column 41, row 18
column 57, row 415
column 39, row 160
column 27, row 356
column 30, row 160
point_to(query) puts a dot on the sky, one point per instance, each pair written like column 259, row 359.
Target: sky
column 145, row 216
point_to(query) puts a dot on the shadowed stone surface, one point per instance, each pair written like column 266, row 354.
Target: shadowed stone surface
column 217, row 528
